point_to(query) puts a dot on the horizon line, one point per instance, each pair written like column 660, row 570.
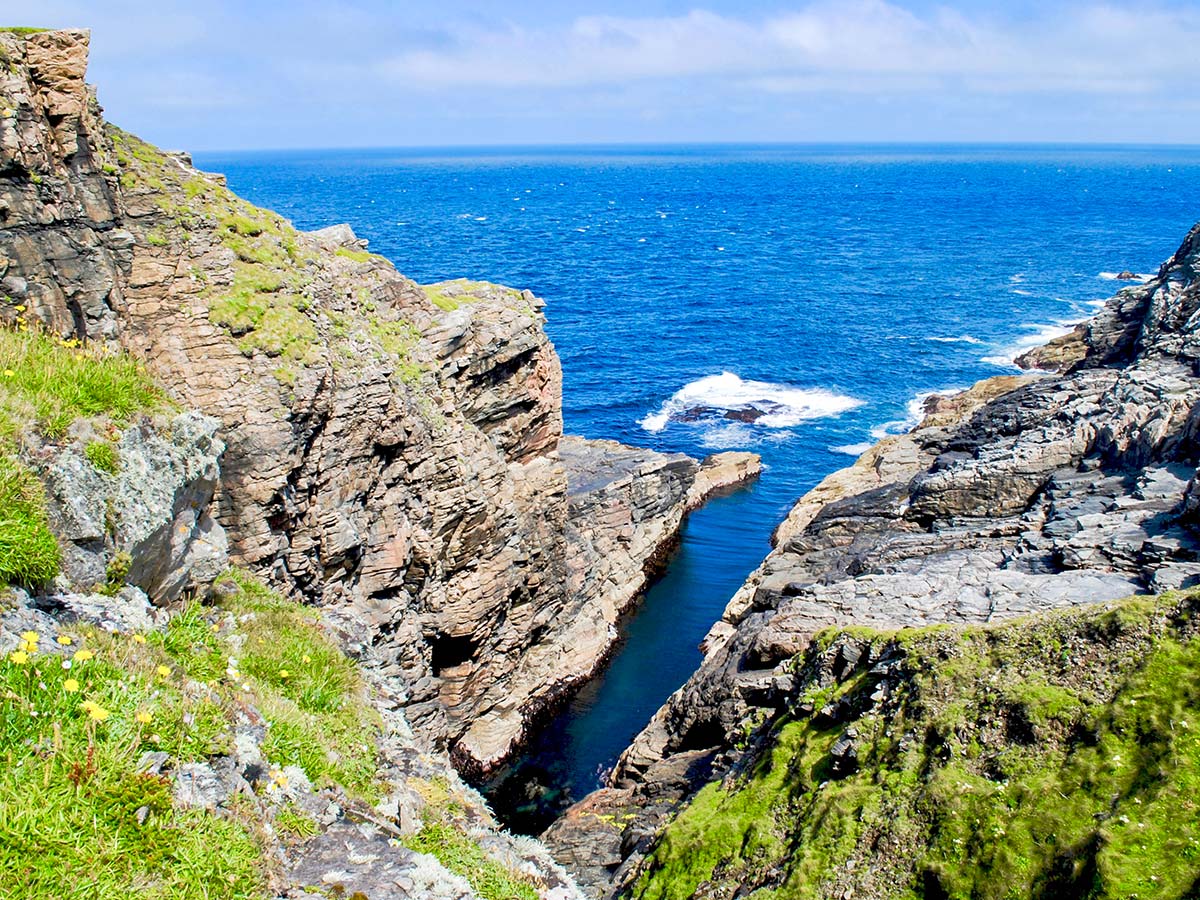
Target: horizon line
column 750, row 144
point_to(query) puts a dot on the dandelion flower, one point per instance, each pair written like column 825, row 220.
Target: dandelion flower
column 30, row 637
column 143, row 717
column 164, row 671
column 306, row 658
column 20, row 657
column 139, row 639
column 284, row 673
column 82, row 655
column 9, row 373
column 63, row 640
column 70, row 685
column 95, row 711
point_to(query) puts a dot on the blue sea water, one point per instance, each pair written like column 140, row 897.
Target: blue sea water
column 832, row 285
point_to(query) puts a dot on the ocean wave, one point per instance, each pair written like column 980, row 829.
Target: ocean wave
column 1039, row 334
column 1022, row 292
column 725, row 397
column 961, row 339
column 852, row 449
column 914, row 413
column 1116, row 276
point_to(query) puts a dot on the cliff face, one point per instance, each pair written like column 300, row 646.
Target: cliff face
column 1017, row 497
column 391, row 451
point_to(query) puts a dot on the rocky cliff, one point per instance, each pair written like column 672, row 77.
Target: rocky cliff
column 390, row 451
column 1020, row 496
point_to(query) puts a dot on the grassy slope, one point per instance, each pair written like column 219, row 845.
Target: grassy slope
column 1054, row 757
column 80, row 819
column 47, row 384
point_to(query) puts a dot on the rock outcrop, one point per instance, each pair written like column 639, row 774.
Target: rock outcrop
column 1017, row 497
column 391, row 451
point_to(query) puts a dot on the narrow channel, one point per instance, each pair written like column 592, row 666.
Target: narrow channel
column 721, row 543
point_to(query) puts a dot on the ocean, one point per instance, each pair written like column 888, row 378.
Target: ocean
column 832, row 286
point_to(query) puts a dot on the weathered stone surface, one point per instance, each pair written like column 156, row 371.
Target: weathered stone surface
column 391, row 452
column 1019, row 496
column 154, row 508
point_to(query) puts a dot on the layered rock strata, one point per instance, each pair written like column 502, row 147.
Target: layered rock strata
column 391, row 450
column 1019, row 496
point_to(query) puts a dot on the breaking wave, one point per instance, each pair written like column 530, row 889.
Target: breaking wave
column 726, row 399
column 914, row 413
column 1037, row 336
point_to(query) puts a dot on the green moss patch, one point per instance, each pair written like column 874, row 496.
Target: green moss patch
column 450, row 295
column 1054, row 757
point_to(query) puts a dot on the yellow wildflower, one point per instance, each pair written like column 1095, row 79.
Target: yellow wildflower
column 9, row 373
column 306, row 658
column 143, row 717
column 284, row 673
column 95, row 711
column 64, row 640
column 30, row 637
column 82, row 655
column 20, row 657
column 164, row 671
column 139, row 639
column 70, row 685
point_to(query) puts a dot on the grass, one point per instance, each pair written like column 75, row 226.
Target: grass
column 21, row 30
column 312, row 695
column 47, row 384
column 358, row 256
column 1053, row 757
column 80, row 820
column 104, row 456
column 29, row 553
column 457, row 852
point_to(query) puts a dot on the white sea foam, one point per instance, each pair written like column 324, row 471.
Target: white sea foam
column 1115, row 276
column 914, row 413
column 726, row 436
column 1022, row 292
column 1038, row 335
column 961, row 339
column 781, row 405
column 853, row 449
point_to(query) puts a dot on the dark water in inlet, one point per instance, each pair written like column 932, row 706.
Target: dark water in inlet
column 827, row 286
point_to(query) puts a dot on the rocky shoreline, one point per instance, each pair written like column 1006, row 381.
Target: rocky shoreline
column 1022, row 495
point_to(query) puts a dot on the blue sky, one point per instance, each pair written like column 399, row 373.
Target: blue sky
column 252, row 74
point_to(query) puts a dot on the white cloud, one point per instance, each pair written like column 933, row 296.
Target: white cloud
column 827, row 46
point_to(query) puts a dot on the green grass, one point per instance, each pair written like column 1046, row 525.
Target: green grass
column 312, row 695
column 358, row 256
column 78, row 819
column 21, row 30
column 457, row 852
column 46, row 384
column 104, row 456
column 71, row 795
column 1053, row 757
column 29, row 553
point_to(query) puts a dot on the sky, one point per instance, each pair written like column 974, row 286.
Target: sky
column 223, row 75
